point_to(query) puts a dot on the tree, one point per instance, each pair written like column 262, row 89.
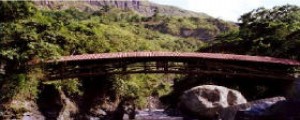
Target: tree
column 267, row 29
column 13, row 10
column 264, row 32
column 20, row 45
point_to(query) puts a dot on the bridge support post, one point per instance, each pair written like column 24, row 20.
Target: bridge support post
column 296, row 87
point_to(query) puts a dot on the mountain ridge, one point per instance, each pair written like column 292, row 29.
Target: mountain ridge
column 170, row 20
column 146, row 8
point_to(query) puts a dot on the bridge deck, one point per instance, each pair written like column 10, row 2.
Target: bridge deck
column 216, row 56
column 171, row 62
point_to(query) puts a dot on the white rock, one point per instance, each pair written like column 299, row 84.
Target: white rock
column 207, row 100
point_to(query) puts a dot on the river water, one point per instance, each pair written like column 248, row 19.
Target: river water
column 155, row 114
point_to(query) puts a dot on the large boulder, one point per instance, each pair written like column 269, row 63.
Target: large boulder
column 54, row 104
column 20, row 109
column 250, row 110
column 284, row 110
column 206, row 100
column 69, row 109
column 276, row 108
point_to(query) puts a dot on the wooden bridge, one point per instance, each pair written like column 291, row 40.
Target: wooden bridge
column 170, row 62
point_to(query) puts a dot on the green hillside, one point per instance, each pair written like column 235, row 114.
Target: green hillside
column 170, row 20
column 32, row 35
column 34, row 32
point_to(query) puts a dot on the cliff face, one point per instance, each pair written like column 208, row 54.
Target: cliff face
column 143, row 7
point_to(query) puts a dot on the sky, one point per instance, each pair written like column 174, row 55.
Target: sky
column 229, row 10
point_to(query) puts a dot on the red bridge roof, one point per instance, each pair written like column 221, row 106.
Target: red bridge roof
column 217, row 56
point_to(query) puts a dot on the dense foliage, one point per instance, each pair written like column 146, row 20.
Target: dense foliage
column 30, row 36
column 268, row 32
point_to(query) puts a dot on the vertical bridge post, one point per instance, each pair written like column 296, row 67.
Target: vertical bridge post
column 296, row 87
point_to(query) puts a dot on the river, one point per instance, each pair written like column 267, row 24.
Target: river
column 155, row 114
